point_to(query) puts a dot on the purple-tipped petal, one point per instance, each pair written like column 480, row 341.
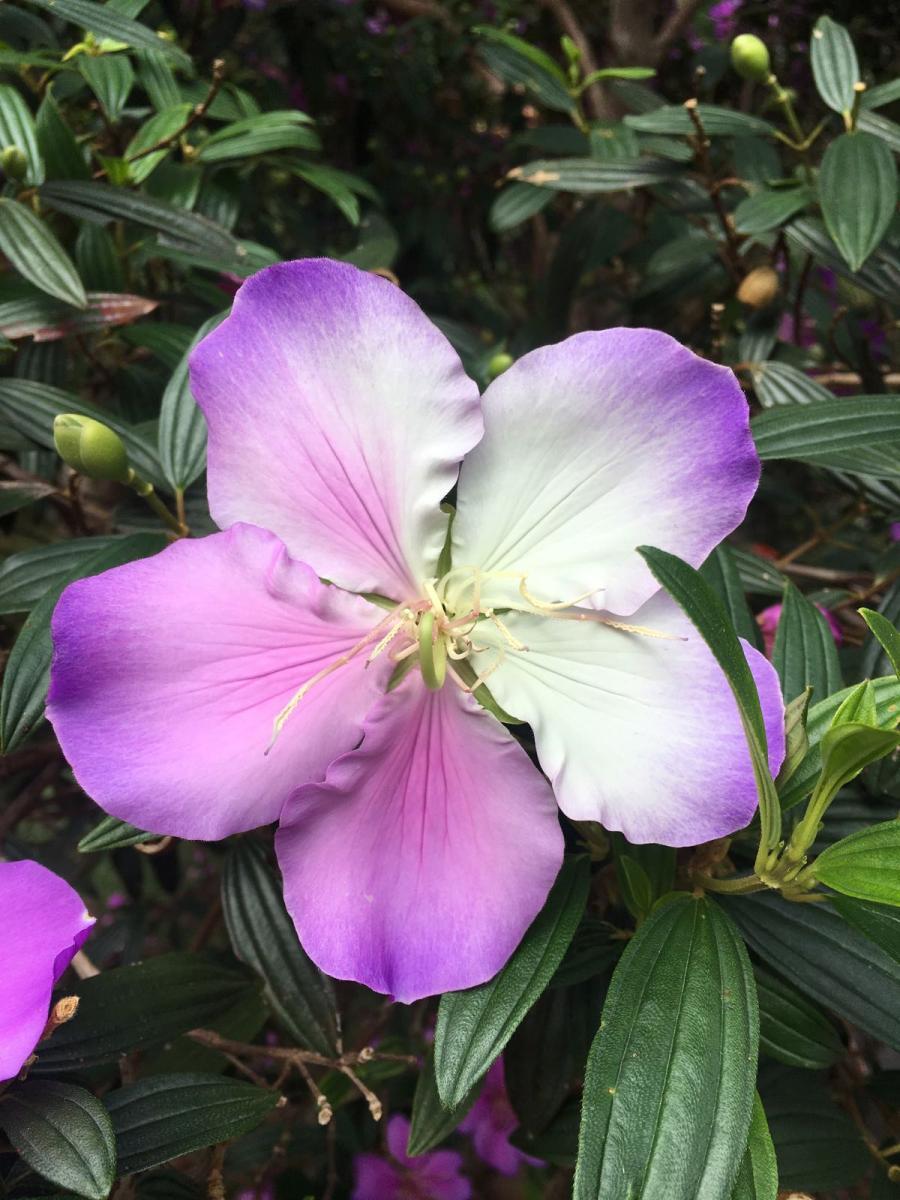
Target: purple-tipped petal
column 638, row 732
column 592, row 447
column 419, row 863
column 169, row 672
column 44, row 923
column 432, row 1176
column 337, row 416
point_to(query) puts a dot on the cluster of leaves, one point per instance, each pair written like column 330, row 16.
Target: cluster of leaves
column 714, row 1023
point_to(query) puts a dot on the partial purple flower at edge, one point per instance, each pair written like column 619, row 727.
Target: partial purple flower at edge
column 768, row 619
column 417, row 840
column 432, row 1176
column 490, row 1121
column 44, row 924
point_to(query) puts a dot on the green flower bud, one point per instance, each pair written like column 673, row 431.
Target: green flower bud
column 499, row 363
column 750, row 58
column 14, row 162
column 91, row 448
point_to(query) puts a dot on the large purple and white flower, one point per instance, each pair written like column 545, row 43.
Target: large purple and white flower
column 44, row 924
column 417, row 839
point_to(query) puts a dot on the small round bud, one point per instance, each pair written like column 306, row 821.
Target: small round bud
column 499, row 363
column 14, row 162
column 90, row 447
column 750, row 58
column 759, row 288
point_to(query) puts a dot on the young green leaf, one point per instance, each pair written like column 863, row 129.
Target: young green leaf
column 17, row 129
column 670, row 1077
column 834, row 65
column 804, row 654
column 263, row 936
column 866, row 864
column 858, row 194
column 796, row 739
column 64, row 1134
column 518, row 62
column 111, row 78
column 166, row 1116
column 474, row 1025
column 37, row 255
column 105, row 22
column 886, row 633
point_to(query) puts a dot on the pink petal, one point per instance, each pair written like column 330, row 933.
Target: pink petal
column 337, row 415
column 419, row 863
column 168, row 674
column 592, row 447
column 44, row 923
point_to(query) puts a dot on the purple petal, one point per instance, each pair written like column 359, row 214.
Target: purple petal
column 597, row 445
column 419, row 863
column 376, row 1179
column 640, row 733
column 337, row 415
column 44, row 923
column 490, row 1121
column 168, row 674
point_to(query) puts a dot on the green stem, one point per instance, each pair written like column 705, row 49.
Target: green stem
column 146, row 491
column 783, row 98
column 734, row 887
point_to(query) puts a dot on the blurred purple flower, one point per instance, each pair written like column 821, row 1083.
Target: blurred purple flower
column 44, row 923
column 768, row 619
column 724, row 18
column 490, row 1122
column 433, row 1176
column 895, row 531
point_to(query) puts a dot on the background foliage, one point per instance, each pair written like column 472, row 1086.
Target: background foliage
column 524, row 173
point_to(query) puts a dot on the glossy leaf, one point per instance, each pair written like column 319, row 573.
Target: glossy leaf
column 64, row 1134
column 858, row 194
column 37, row 255
column 769, row 208
column 758, row 1174
column 474, row 1025
column 791, row 1028
column 834, row 65
column 824, row 957
column 670, row 1077
column 105, row 22
column 135, row 1007
column 166, row 1116
column 263, row 936
column 589, row 176
column 866, row 864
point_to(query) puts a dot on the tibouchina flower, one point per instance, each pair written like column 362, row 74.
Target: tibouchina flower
column 490, row 1121
column 44, row 923
column 433, row 1176
column 417, row 839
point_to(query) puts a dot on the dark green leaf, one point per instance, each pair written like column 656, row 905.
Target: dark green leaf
column 518, row 62
column 804, row 653
column 881, row 127
column 880, row 275
column 263, row 936
column 768, row 208
column 780, row 383
column 63, row 1133
column 105, row 22
column 817, row 1145
column 474, row 1025
column 37, row 255
column 834, row 64
column 674, row 118
column 287, row 130
column 17, row 129
column 865, row 865
column 791, row 1028
column 874, row 660
column 157, row 79
column 14, row 496
column 111, row 78
column 113, row 834
column 590, row 175
column 810, row 945
column 431, row 1121
column 558, row 1143
column 842, row 433
column 26, row 577
column 758, row 1175
column 63, row 157
column 886, row 633
column 515, row 204
column 668, row 1092
column 721, row 572
column 858, row 194
column 163, row 1117
column 880, row 923
column 182, row 426
column 177, row 228
column 27, row 673
column 132, row 1008
column 881, row 94
column 160, row 126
